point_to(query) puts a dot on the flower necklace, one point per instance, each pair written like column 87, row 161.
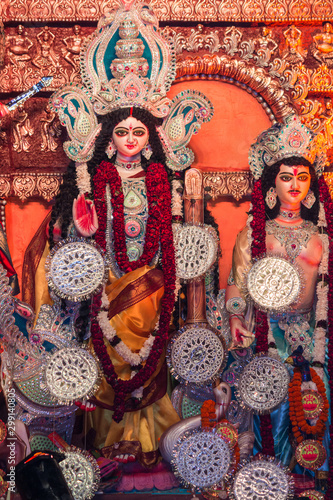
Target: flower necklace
column 158, row 230
column 131, row 358
column 296, row 409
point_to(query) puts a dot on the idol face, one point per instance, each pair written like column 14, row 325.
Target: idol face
column 292, row 185
column 130, row 136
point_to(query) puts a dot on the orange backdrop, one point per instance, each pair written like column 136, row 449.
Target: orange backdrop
column 222, row 144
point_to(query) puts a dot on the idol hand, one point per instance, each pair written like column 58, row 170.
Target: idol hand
column 85, row 216
column 241, row 337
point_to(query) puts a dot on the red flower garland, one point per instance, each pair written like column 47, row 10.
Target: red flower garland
column 258, row 249
column 326, row 200
column 158, row 230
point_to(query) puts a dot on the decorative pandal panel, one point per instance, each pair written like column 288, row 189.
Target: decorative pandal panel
column 172, row 10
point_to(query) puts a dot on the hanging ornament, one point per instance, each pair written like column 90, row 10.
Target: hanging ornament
column 263, row 478
column 76, row 269
column 195, row 250
column 81, row 472
column 263, row 384
column 72, row 374
column 196, row 354
column 201, row 459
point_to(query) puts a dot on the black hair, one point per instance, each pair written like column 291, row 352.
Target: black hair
column 268, row 180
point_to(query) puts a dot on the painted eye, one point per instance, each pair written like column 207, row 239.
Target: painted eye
column 303, row 177
column 139, row 132
column 285, row 178
column 121, row 132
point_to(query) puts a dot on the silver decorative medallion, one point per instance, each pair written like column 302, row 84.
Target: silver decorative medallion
column 201, row 459
column 71, row 374
column 263, row 384
column 76, row 269
column 262, row 480
column 196, row 354
column 195, row 249
column 81, row 472
column 274, row 284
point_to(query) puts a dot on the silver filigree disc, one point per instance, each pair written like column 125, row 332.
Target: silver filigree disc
column 71, row 374
column 273, row 284
column 195, row 250
column 81, row 474
column 196, row 355
column 261, row 480
column 263, row 384
column 76, row 270
column 201, row 459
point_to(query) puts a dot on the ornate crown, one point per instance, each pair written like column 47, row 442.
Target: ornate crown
column 283, row 140
column 128, row 62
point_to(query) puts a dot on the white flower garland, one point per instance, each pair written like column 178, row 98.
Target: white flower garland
column 83, row 178
column 319, row 336
column 133, row 359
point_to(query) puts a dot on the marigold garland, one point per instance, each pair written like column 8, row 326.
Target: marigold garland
column 300, row 427
column 158, row 230
column 208, row 414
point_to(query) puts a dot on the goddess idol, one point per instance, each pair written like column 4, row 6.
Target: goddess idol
column 127, row 143
column 280, row 284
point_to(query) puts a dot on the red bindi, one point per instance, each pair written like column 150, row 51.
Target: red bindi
column 295, row 171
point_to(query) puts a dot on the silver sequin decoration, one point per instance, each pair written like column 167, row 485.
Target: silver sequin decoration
column 263, row 384
column 274, row 284
column 81, row 473
column 71, row 374
column 201, row 459
column 76, row 270
column 261, row 480
column 196, row 355
column 195, row 250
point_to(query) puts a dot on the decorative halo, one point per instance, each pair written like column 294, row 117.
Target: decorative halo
column 195, row 250
column 262, row 479
column 201, row 459
column 196, row 354
column 76, row 269
column 273, row 284
column 81, row 472
column 310, row 454
column 263, row 384
column 71, row 374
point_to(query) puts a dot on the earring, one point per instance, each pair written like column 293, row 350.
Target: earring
column 147, row 151
column 110, row 149
column 309, row 199
column 270, row 198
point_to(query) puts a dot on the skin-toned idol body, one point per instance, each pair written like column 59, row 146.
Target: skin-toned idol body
column 292, row 185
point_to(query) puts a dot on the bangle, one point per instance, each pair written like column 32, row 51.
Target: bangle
column 239, row 316
column 235, row 305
